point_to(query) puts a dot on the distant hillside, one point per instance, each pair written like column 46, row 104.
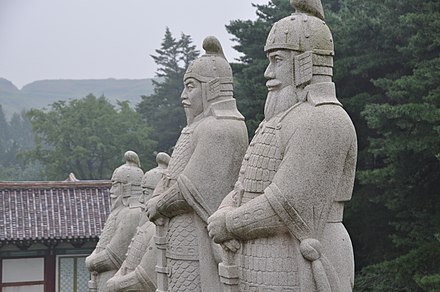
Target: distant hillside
column 40, row 94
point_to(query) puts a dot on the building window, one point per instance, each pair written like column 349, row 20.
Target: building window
column 22, row 275
column 73, row 275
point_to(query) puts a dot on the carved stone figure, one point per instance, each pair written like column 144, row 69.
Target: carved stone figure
column 286, row 208
column 120, row 227
column 202, row 171
column 137, row 272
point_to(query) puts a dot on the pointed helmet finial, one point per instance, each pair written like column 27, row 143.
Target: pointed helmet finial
column 311, row 7
column 132, row 158
column 212, row 46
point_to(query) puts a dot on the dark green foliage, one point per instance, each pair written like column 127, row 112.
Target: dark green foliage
column 88, row 137
column 16, row 137
column 162, row 110
column 387, row 74
column 410, row 272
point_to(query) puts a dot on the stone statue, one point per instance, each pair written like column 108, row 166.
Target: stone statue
column 202, row 171
column 137, row 273
column 120, row 227
column 286, row 208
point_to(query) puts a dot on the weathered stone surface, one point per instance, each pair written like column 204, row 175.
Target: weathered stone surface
column 202, row 171
column 121, row 224
column 286, row 208
column 137, row 272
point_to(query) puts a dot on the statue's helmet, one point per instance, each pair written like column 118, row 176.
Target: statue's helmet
column 306, row 33
column 213, row 71
column 129, row 176
column 152, row 177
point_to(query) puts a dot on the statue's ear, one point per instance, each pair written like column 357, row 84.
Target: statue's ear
column 126, row 189
column 303, row 68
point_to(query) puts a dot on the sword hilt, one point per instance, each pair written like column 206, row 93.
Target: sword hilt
column 228, row 270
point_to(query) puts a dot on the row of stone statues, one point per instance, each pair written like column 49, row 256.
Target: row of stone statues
column 125, row 256
column 228, row 216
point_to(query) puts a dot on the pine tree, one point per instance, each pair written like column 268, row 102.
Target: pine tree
column 163, row 110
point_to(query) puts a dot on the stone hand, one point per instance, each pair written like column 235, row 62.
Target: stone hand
column 89, row 262
column 217, row 226
column 151, row 209
column 112, row 285
column 231, row 245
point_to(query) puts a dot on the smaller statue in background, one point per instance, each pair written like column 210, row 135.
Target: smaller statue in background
column 137, row 273
column 120, row 227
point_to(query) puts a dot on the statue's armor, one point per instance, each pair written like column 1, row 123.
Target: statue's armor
column 270, row 260
column 261, row 160
column 278, row 261
column 183, row 254
column 104, row 239
column 137, row 248
column 182, row 242
column 114, row 242
column 108, row 231
column 132, row 277
column 181, row 154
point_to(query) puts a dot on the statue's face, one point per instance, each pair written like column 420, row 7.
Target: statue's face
column 279, row 72
column 192, row 98
column 280, row 82
column 147, row 192
column 115, row 192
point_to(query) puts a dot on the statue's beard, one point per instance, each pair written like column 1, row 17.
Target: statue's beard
column 116, row 202
column 189, row 115
column 279, row 100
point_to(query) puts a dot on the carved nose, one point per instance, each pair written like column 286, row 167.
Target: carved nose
column 183, row 95
column 269, row 74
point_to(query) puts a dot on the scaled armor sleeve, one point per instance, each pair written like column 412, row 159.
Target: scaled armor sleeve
column 101, row 261
column 172, row 203
column 128, row 221
column 258, row 219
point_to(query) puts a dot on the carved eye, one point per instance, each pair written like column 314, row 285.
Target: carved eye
column 278, row 59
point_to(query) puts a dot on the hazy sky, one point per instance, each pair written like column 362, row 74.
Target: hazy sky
column 82, row 39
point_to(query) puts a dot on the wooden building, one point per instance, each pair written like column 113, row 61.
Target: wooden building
column 46, row 231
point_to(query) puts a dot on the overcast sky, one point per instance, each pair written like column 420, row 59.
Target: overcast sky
column 94, row 39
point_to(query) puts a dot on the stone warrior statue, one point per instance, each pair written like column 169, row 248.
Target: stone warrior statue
column 286, row 208
column 120, row 227
column 202, row 171
column 137, row 272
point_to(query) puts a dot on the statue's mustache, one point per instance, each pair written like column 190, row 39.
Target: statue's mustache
column 272, row 83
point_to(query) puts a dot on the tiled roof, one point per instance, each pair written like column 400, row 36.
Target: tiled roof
column 46, row 211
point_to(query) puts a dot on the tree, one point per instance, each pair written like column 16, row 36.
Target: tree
column 16, row 137
column 88, row 137
column 397, row 63
column 163, row 110
column 4, row 134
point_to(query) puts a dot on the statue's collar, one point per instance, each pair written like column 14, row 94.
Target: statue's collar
column 321, row 93
column 224, row 109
